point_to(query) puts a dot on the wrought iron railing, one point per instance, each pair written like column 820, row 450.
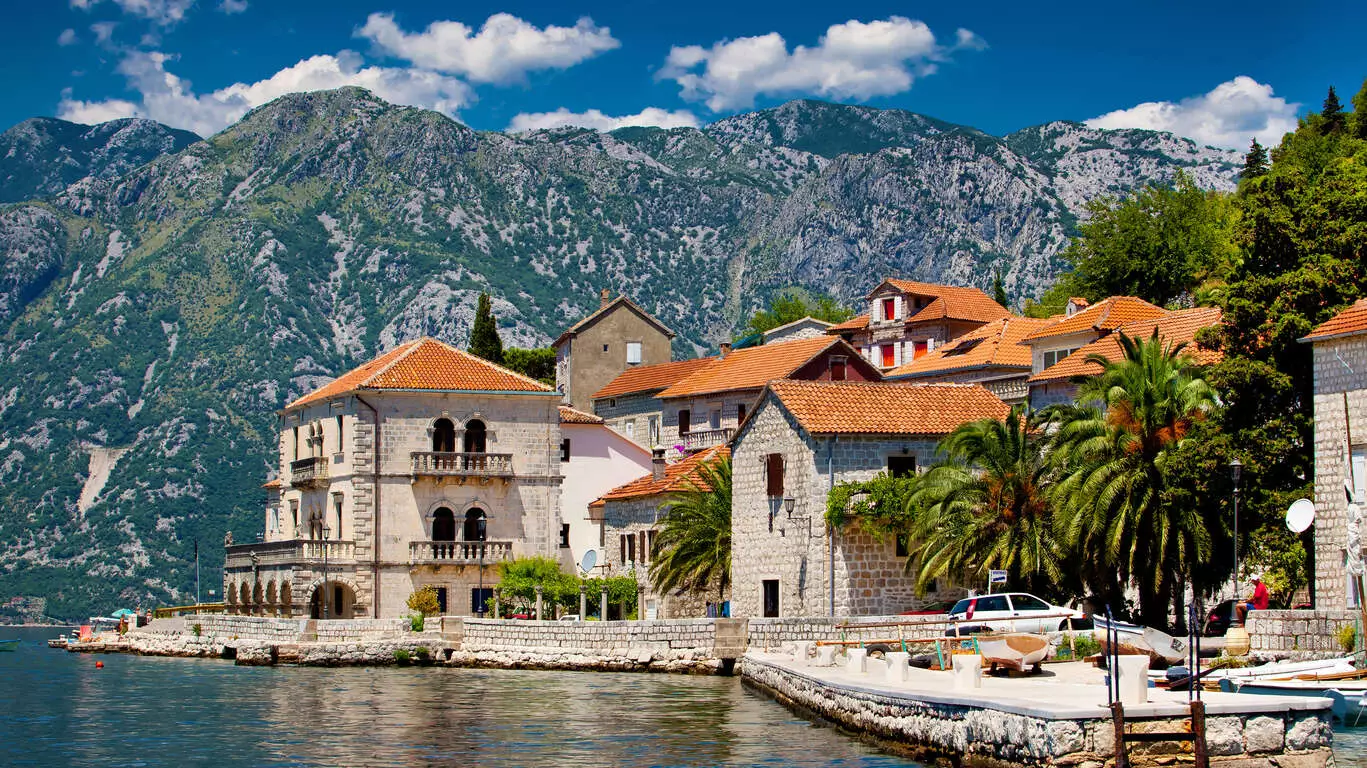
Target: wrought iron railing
column 309, row 472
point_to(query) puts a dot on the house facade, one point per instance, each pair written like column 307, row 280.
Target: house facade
column 908, row 319
column 594, row 459
column 619, row 335
column 1082, row 325
column 630, row 403
column 1340, row 364
column 802, row 440
column 993, row 355
column 424, row 466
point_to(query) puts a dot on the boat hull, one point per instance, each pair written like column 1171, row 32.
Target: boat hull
column 1017, row 651
column 1134, row 640
column 1347, row 697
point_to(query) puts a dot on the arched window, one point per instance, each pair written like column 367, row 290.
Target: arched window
column 443, row 525
column 444, row 436
column 474, row 436
column 475, row 525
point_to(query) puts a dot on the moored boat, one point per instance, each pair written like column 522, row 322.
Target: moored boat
column 9, row 645
column 1018, row 651
column 1134, row 640
column 1347, row 695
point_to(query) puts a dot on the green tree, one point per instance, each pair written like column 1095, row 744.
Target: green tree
column 484, row 340
column 793, row 304
column 1334, row 121
column 1255, row 161
column 536, row 363
column 988, row 507
column 1112, row 450
column 1360, row 112
column 519, row 578
column 999, row 289
column 693, row 548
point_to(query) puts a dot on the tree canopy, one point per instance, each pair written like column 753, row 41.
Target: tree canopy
column 793, row 304
column 484, row 339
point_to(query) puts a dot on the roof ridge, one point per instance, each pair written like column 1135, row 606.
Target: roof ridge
column 412, row 346
column 473, row 356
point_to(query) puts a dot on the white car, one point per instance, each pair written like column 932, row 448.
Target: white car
column 1027, row 613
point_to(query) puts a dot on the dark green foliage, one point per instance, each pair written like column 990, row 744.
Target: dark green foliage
column 1334, row 121
column 537, row 363
column 1255, row 161
column 1360, row 112
column 999, row 289
column 693, row 550
column 518, row 580
column 484, row 339
column 792, row 304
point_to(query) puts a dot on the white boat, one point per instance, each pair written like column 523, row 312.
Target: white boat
column 1280, row 670
column 1016, row 650
column 1135, row 640
column 1347, row 695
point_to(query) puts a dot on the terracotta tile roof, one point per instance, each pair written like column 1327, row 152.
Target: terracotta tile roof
column 1349, row 322
column 996, row 344
column 645, row 378
column 1178, row 327
column 1106, row 315
column 271, row 485
column 955, row 302
column 604, row 309
column 753, row 367
column 570, row 415
column 856, row 323
column 680, row 476
column 426, row 364
column 848, row 407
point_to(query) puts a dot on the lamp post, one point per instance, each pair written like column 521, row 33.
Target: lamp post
column 789, row 503
column 481, row 531
column 1236, row 470
column 326, row 531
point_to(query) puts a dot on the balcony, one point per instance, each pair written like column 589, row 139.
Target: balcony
column 309, row 473
column 292, row 552
column 698, row 440
column 461, row 465
column 457, row 552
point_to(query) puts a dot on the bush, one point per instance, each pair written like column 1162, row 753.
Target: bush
column 1084, row 645
column 424, row 654
column 424, row 602
column 1348, row 637
column 402, row 658
column 416, row 622
column 198, row 629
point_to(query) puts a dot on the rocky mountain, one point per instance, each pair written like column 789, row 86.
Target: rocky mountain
column 152, row 320
column 41, row 156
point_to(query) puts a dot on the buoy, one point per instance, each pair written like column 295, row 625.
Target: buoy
column 99, row 665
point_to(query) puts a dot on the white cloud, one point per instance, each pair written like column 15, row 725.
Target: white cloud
column 504, row 50
column 1229, row 116
column 233, row 6
column 595, row 119
column 164, row 12
column 104, row 30
column 68, row 37
column 854, row 60
column 169, row 99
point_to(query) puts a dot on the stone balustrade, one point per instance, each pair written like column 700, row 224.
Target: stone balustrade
column 701, row 439
column 289, row 552
column 458, row 552
column 455, row 464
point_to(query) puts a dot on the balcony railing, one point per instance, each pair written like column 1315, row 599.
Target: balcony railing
column 309, row 473
column 294, row 551
column 457, row 552
column 447, row 464
column 706, row 438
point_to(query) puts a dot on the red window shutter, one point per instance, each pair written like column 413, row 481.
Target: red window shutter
column 774, row 474
column 921, row 348
column 889, row 309
column 889, row 355
column 837, row 369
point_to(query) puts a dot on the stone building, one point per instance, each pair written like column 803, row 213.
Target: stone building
column 619, row 335
column 630, row 403
column 704, row 409
column 631, row 516
column 424, row 466
column 1340, row 364
column 804, row 438
column 1081, row 325
column 594, row 459
column 907, row 319
column 992, row 355
column 1058, row 382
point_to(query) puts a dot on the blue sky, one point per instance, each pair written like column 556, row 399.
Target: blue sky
column 1219, row 72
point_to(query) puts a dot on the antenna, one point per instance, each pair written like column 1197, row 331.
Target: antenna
column 589, row 561
column 1301, row 515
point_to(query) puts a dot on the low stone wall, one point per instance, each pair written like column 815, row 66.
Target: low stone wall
column 780, row 634
column 1286, row 634
column 667, row 645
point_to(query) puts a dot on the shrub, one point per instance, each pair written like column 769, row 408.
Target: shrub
column 416, row 622
column 402, row 658
column 1348, row 637
column 198, row 629
column 1084, row 645
column 424, row 601
column 424, row 654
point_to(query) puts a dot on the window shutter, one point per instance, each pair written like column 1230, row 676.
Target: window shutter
column 774, row 474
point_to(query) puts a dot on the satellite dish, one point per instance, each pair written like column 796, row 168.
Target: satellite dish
column 590, row 560
column 1301, row 515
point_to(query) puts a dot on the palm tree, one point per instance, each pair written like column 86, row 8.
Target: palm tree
column 694, row 546
column 987, row 506
column 1111, row 450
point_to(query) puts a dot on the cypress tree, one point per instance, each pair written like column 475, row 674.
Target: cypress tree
column 1360, row 112
column 484, row 340
column 1255, row 162
column 1332, row 112
column 999, row 289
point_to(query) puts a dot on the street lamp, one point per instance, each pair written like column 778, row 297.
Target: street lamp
column 1236, row 470
column 481, row 530
column 326, row 531
column 788, row 504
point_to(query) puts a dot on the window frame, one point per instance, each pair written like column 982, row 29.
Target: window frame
column 774, row 475
column 635, row 346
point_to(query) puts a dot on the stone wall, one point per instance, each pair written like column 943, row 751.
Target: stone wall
column 780, row 634
column 1334, row 378
column 1291, row 633
column 681, row 645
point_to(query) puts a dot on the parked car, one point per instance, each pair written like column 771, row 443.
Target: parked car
column 571, row 617
column 1028, row 613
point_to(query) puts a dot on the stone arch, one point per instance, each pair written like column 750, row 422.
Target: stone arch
column 470, row 527
column 476, row 436
column 443, row 524
column 340, row 586
column 443, row 435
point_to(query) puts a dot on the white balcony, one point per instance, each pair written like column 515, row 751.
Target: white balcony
column 702, row 439
column 449, row 464
column 458, row 552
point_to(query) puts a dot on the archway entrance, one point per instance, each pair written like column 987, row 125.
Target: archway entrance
column 475, row 528
column 443, row 525
column 341, row 601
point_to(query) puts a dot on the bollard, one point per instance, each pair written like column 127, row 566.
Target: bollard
column 583, row 602
column 801, row 653
column 857, row 660
column 825, row 655
column 899, row 668
column 1133, row 674
column 968, row 671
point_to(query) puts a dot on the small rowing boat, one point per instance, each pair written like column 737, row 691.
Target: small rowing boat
column 9, row 645
column 1134, row 640
column 1347, row 695
column 1018, row 651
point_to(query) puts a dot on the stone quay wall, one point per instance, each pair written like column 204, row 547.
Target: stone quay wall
column 779, row 634
column 703, row 646
column 972, row 735
column 252, row 638
column 1286, row 634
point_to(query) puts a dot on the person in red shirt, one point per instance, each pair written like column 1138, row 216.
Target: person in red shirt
column 1260, row 595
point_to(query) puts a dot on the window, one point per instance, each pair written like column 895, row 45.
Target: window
column 992, row 603
column 629, row 429
column 641, row 547
column 296, row 443
column 337, row 513
column 565, row 449
column 684, row 426
column 564, row 535
column 339, row 433
column 963, row 347
column 714, row 419
column 476, row 436
column 773, row 473
column 443, row 525
column 605, row 347
column 480, row 599
column 275, row 519
column 889, row 353
column 740, row 413
column 770, row 590
column 654, row 423
column 1028, row 603
column 633, row 353
column 294, row 518
column 901, row 466
column 650, row 544
column 838, row 363
column 441, row 600
column 889, row 309
column 627, row 541
column 475, row 528
column 1053, row 357
column 901, row 548
column 444, row 436
column 1359, row 477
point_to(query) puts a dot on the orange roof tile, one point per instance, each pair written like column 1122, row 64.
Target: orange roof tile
column 426, row 364
column 1106, row 315
column 1177, row 327
column 996, row 344
column 603, row 309
column 955, row 302
column 856, row 323
column 645, row 378
column 753, row 367
column 570, row 415
column 1349, row 322
column 849, row 407
column 271, row 485
column 682, row 475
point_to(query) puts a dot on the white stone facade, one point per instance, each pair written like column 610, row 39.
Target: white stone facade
column 1340, row 372
column 600, row 460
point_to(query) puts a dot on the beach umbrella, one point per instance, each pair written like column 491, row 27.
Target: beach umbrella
column 123, row 612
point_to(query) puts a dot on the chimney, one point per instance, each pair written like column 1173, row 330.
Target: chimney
column 657, row 464
column 604, row 298
column 725, row 348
